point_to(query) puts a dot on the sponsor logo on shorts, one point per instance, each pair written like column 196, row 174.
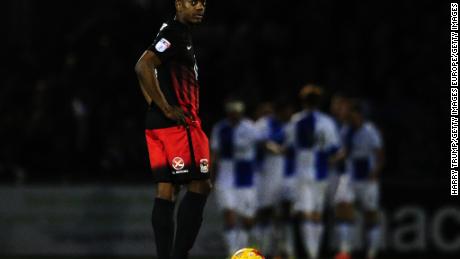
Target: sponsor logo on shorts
column 204, row 166
column 180, row 172
column 178, row 163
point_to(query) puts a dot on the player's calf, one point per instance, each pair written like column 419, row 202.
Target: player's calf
column 312, row 230
column 231, row 233
column 162, row 219
column 263, row 232
column 287, row 228
column 344, row 222
column 372, row 233
column 189, row 218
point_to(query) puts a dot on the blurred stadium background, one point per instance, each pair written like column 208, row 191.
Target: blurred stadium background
column 73, row 166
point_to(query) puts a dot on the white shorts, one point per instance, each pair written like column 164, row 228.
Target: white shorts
column 288, row 192
column 241, row 200
column 311, row 196
column 332, row 188
column 270, row 182
column 274, row 192
column 365, row 193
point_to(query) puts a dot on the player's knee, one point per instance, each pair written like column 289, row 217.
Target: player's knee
column 286, row 210
column 345, row 211
column 166, row 191
column 305, row 215
column 298, row 215
column 315, row 217
column 264, row 215
column 229, row 218
column 248, row 223
column 372, row 217
column 202, row 186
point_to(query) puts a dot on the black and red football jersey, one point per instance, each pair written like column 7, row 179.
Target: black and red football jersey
column 177, row 74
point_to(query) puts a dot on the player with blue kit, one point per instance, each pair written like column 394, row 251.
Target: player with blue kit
column 364, row 160
column 315, row 139
column 233, row 145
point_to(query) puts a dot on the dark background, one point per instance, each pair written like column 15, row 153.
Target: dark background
column 71, row 109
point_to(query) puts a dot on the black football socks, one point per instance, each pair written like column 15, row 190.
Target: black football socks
column 189, row 218
column 163, row 227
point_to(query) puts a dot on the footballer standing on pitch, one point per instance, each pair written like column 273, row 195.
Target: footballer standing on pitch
column 178, row 148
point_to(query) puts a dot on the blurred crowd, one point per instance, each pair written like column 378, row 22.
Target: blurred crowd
column 71, row 109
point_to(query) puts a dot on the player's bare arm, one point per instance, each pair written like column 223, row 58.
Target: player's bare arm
column 150, row 87
column 273, row 147
column 379, row 157
column 339, row 156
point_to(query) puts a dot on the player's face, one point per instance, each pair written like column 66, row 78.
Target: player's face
column 356, row 119
column 285, row 114
column 191, row 11
column 340, row 108
column 234, row 116
column 264, row 109
column 336, row 105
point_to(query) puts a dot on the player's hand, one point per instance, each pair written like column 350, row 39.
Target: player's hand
column 273, row 147
column 374, row 176
column 340, row 155
column 176, row 114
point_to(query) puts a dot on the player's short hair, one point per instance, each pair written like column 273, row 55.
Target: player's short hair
column 237, row 106
column 310, row 95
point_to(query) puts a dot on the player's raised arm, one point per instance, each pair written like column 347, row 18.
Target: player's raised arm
column 145, row 70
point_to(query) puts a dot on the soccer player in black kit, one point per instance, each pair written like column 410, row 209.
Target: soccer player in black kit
column 178, row 148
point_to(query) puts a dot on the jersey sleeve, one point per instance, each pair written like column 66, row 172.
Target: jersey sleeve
column 259, row 134
column 262, row 129
column 247, row 135
column 376, row 138
column 290, row 133
column 166, row 44
column 332, row 136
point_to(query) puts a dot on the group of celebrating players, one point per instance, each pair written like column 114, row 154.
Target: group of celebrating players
column 287, row 166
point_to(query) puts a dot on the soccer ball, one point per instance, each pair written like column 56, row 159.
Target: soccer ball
column 248, row 253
